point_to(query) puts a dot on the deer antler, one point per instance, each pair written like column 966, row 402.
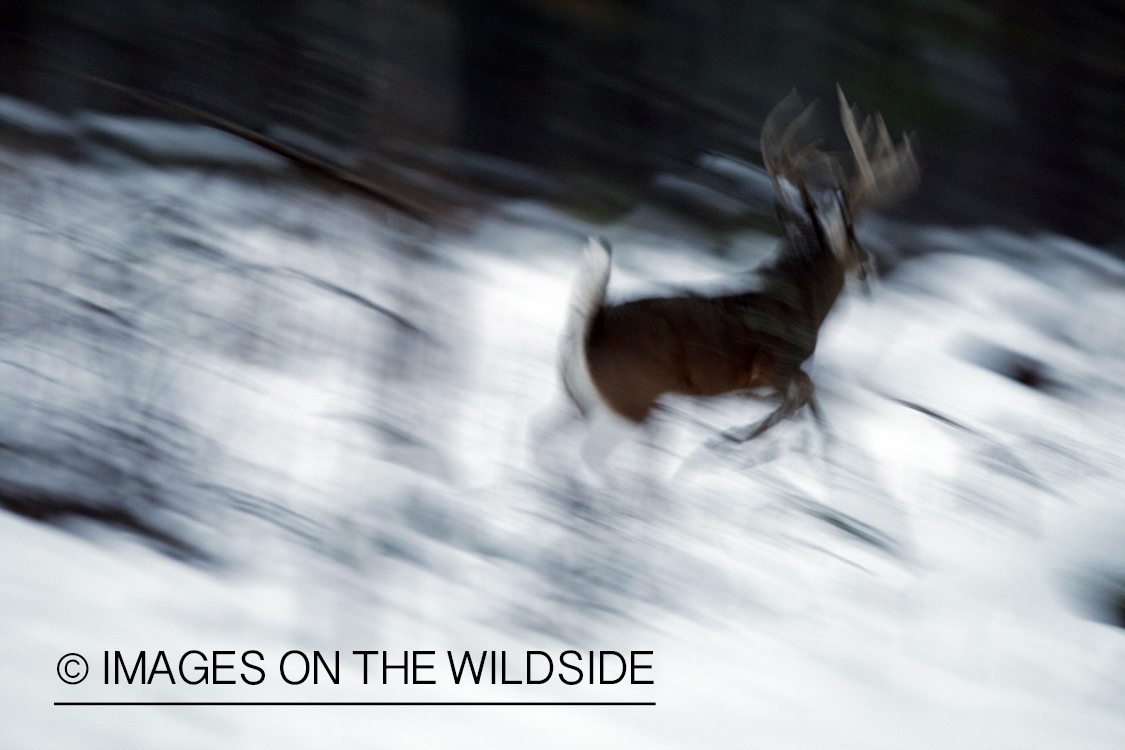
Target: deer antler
column 790, row 140
column 884, row 172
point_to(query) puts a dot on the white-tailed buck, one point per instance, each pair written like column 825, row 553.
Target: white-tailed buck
column 624, row 357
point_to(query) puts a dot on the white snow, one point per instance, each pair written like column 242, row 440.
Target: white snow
column 172, row 343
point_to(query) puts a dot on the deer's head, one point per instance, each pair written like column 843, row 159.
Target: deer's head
column 818, row 196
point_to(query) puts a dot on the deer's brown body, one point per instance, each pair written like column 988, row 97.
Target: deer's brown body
column 626, row 356
column 708, row 346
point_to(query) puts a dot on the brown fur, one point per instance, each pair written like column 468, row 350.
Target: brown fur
column 704, row 346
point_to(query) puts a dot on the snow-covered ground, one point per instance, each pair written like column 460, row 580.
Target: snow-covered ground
column 257, row 417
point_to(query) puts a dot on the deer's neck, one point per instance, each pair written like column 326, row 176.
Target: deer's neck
column 801, row 286
column 808, row 265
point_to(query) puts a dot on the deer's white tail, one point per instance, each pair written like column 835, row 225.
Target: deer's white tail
column 586, row 300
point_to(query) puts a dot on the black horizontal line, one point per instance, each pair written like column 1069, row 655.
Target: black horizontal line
column 355, row 703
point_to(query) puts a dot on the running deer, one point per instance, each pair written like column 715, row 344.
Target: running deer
column 624, row 357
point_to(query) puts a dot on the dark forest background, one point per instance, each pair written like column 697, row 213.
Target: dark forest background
column 1018, row 106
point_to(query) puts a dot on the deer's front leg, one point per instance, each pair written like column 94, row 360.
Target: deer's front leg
column 799, row 391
